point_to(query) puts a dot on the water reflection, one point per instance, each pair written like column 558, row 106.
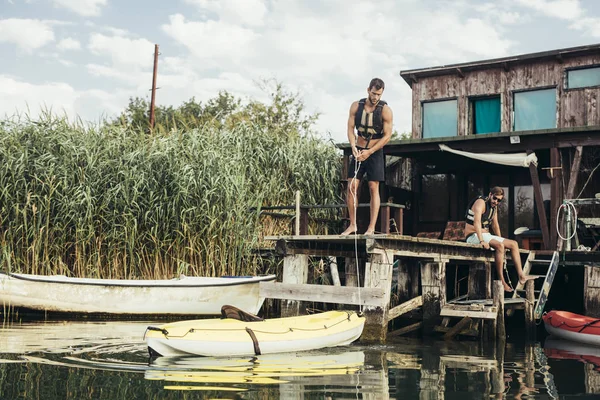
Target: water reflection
column 58, row 360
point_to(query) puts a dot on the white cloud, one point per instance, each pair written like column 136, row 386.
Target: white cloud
column 27, row 34
column 85, row 8
column 123, row 51
column 211, row 41
column 246, row 12
column 563, row 9
column 69, row 44
column 19, row 95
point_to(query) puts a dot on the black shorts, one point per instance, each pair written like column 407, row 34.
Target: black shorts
column 374, row 167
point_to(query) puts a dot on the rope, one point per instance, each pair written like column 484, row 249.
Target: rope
column 581, row 326
column 357, row 165
column 567, row 205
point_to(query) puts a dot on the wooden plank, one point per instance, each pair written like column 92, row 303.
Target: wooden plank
column 408, row 279
column 433, row 283
column 456, row 329
column 591, row 291
column 498, row 291
column 295, row 271
column 480, row 281
column 405, row 307
column 556, row 194
column 465, row 332
column 322, row 293
column 490, row 313
column 539, row 202
column 574, row 173
column 406, row 329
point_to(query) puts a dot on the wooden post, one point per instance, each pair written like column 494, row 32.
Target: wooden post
column 378, row 274
column 298, row 217
column 350, row 271
column 433, row 282
column 555, row 195
column 295, row 271
column 408, row 279
column 539, row 202
column 499, row 302
column 529, row 310
column 333, row 269
column 384, row 219
column 591, row 291
column 480, row 283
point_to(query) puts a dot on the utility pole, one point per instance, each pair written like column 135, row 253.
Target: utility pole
column 153, row 96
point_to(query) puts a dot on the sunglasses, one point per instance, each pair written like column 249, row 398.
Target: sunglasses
column 497, row 199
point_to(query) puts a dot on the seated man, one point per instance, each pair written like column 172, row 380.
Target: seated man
column 481, row 215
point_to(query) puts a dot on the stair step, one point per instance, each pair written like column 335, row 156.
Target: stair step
column 534, row 261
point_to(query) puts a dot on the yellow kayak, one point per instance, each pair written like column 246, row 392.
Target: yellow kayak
column 232, row 337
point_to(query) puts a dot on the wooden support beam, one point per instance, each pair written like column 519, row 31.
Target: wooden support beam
column 499, row 303
column 468, row 331
column 378, row 275
column 322, row 293
column 408, row 279
column 574, row 173
column 539, row 202
column 406, row 329
column 529, row 310
column 405, row 307
column 295, row 271
column 456, row 329
column 333, row 269
column 433, row 282
column 556, row 194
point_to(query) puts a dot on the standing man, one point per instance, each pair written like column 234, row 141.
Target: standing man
column 372, row 118
column 482, row 214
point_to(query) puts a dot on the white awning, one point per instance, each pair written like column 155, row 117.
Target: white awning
column 513, row 159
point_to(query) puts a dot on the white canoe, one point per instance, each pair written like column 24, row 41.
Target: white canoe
column 180, row 296
column 231, row 337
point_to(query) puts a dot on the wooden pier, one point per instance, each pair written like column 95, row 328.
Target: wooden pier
column 421, row 275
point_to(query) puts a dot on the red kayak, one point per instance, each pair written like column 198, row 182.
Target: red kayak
column 574, row 327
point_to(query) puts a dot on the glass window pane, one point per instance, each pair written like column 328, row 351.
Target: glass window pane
column 434, row 206
column 535, row 109
column 486, row 115
column 583, row 77
column 440, row 119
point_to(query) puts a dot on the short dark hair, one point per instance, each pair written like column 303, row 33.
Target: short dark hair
column 377, row 84
column 497, row 190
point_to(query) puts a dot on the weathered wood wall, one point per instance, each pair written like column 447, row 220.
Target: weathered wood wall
column 575, row 107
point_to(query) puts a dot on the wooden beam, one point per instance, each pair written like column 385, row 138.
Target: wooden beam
column 322, row 293
column 574, row 173
column 405, row 307
column 555, row 195
column 458, row 311
column 406, row 329
column 456, row 329
column 539, row 202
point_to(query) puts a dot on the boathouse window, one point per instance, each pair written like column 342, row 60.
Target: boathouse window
column 440, row 118
column 535, row 109
column 583, row 77
column 486, row 115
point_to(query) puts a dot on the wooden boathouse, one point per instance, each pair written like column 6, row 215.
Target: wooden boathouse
column 466, row 118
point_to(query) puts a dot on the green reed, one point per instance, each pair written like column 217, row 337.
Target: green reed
column 107, row 202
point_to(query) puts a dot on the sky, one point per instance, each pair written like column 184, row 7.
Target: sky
column 87, row 58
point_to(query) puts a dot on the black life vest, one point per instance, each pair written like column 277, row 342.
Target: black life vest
column 486, row 218
column 369, row 125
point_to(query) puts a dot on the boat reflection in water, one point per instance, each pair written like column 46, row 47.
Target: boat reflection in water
column 58, row 360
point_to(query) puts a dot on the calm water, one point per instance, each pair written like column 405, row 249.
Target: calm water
column 108, row 360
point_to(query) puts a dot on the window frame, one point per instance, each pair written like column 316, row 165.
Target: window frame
column 556, row 103
column 471, row 116
column 577, row 68
column 423, row 102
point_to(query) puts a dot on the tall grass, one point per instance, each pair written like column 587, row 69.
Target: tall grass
column 106, row 202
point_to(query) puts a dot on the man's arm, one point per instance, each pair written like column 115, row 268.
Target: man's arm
column 496, row 225
column 351, row 125
column 386, row 115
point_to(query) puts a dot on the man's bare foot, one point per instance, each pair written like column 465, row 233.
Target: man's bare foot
column 507, row 288
column 525, row 278
column 351, row 229
column 370, row 232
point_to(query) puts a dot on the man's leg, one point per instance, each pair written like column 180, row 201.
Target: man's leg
column 351, row 193
column 499, row 250
column 375, row 203
column 516, row 256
